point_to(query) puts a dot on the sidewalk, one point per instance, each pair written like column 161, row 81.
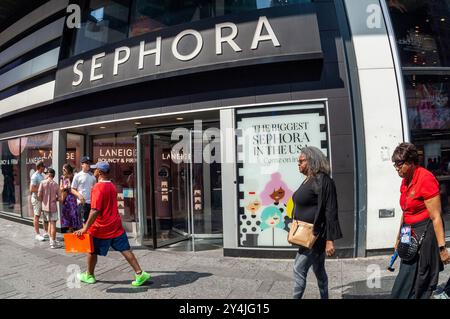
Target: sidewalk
column 30, row 269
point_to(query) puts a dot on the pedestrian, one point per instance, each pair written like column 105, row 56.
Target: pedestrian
column 82, row 185
column 70, row 217
column 36, row 179
column 420, row 202
column 315, row 202
column 49, row 195
column 105, row 226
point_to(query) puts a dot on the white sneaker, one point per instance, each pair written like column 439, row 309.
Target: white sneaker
column 55, row 244
column 45, row 235
column 442, row 295
column 39, row 237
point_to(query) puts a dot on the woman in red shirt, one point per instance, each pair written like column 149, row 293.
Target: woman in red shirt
column 421, row 206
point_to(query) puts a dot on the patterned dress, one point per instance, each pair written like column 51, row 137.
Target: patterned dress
column 69, row 215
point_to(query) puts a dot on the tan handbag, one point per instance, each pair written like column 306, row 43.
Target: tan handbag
column 301, row 234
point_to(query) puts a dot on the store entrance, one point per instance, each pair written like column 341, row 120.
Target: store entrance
column 182, row 197
column 170, row 176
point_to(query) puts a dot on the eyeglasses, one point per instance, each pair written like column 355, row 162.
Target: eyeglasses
column 398, row 164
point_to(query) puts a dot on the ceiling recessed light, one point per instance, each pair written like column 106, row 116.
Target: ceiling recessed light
column 179, row 118
column 137, row 123
column 102, row 127
column 443, row 19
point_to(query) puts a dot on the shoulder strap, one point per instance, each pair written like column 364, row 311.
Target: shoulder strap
column 424, row 233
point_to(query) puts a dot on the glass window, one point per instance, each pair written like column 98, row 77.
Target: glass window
column 104, row 21
column 429, row 120
column 428, row 106
column 33, row 149
column 10, row 176
column 119, row 151
column 74, row 151
column 152, row 15
column 422, row 29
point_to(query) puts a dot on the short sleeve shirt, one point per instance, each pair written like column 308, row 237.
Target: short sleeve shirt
column 423, row 186
column 36, row 178
column 108, row 223
column 83, row 183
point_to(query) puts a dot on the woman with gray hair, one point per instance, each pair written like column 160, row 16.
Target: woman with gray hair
column 315, row 202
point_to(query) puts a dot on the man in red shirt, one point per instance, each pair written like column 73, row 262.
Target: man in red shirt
column 105, row 226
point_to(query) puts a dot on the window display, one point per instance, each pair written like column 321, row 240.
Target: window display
column 119, row 150
column 268, row 148
column 10, row 176
column 33, row 149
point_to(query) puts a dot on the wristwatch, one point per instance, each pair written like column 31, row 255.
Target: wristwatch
column 442, row 248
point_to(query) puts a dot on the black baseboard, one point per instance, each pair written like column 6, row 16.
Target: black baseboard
column 278, row 254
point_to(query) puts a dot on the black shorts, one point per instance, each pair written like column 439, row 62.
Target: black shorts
column 83, row 211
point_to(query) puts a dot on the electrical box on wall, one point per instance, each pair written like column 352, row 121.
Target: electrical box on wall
column 386, row 212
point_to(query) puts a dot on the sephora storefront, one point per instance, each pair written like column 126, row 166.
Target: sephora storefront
column 201, row 109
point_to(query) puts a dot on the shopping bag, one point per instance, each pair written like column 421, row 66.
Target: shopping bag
column 82, row 244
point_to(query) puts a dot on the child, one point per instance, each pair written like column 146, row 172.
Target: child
column 49, row 194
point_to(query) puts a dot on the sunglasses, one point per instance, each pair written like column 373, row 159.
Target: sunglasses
column 398, row 164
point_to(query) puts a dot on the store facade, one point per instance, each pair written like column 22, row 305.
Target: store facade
column 201, row 110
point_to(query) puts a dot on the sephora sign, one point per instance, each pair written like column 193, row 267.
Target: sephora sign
column 263, row 36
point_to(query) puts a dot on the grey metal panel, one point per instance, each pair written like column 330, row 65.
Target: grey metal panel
column 33, row 18
column 342, row 150
column 238, row 97
column 275, row 93
column 29, row 69
column 340, row 113
column 358, row 127
column 34, row 40
column 26, row 98
column 347, row 223
column 332, row 46
column 345, row 190
column 229, row 192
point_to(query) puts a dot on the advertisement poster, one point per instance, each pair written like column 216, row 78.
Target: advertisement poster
column 269, row 144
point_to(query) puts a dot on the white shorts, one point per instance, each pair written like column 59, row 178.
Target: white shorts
column 50, row 217
column 36, row 204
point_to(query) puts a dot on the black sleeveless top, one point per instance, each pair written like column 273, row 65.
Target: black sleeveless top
column 305, row 202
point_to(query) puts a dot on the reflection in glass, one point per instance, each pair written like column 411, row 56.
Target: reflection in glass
column 74, row 151
column 10, row 176
column 429, row 120
column 119, row 150
column 427, row 100
column 153, row 15
column 33, row 149
column 422, row 29
column 105, row 21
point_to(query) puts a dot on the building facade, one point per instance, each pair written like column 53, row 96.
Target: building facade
column 201, row 108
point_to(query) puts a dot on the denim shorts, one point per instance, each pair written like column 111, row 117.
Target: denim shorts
column 120, row 243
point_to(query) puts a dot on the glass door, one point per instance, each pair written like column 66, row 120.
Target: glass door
column 170, row 188
column 181, row 199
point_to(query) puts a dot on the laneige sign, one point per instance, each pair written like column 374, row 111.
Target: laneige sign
column 263, row 36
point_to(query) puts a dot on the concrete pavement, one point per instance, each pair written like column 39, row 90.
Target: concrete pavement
column 30, row 269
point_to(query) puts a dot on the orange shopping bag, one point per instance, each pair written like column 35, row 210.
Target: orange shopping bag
column 82, row 244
